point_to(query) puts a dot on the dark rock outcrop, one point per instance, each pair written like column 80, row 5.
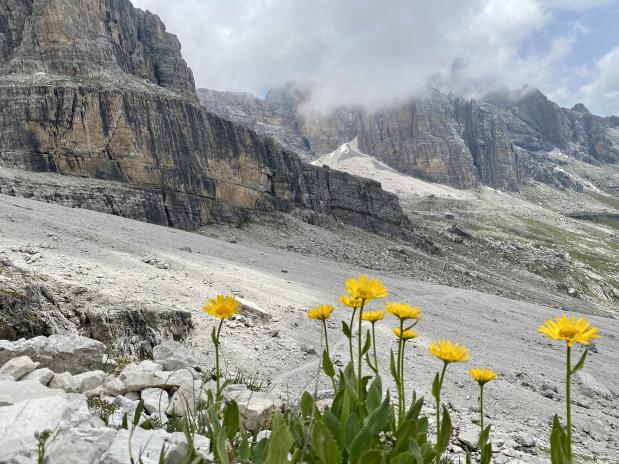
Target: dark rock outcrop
column 112, row 99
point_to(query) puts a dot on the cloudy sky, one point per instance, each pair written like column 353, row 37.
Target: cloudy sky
column 379, row 52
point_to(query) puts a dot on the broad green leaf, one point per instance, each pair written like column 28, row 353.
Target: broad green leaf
column 124, row 423
column 378, row 419
column 361, row 444
column 346, row 330
column 436, row 386
column 372, row 457
column 232, row 419
column 581, row 362
column 374, row 397
column 368, row 343
column 445, row 435
column 415, row 409
column 335, row 427
column 220, row 448
column 307, row 404
column 138, row 413
column 279, row 443
column 325, row 447
column 244, row 451
column 327, row 365
column 351, row 430
column 403, row 458
column 486, row 454
column 393, row 368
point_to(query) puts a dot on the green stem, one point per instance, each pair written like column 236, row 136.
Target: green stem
column 402, row 374
column 217, row 370
column 359, row 356
column 438, row 408
column 352, row 320
column 324, row 326
column 481, row 409
column 568, row 403
column 374, row 346
column 398, row 370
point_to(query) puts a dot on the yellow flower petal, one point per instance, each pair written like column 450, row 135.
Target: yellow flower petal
column 365, row 288
column 569, row 329
column 373, row 316
column 222, row 306
column 351, row 302
column 404, row 334
column 482, row 376
column 403, row 311
column 449, row 352
column 320, row 312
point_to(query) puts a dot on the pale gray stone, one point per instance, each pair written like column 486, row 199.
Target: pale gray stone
column 173, row 355
column 155, row 399
column 17, row 367
column 145, row 446
column 89, row 380
column 12, row 392
column 591, row 386
column 79, row 445
column 64, row 381
column 43, row 375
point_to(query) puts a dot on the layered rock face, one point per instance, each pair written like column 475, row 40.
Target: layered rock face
column 111, row 98
column 440, row 138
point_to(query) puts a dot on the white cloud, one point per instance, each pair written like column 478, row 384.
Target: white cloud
column 601, row 94
column 365, row 51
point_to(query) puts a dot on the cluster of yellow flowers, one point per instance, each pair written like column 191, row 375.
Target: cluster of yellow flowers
column 363, row 289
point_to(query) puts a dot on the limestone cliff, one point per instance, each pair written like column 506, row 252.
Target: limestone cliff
column 442, row 138
column 98, row 89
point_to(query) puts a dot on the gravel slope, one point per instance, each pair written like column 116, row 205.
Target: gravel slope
column 107, row 252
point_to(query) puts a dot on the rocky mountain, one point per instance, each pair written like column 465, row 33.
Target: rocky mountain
column 495, row 141
column 99, row 89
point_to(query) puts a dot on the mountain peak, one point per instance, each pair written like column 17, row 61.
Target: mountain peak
column 581, row 108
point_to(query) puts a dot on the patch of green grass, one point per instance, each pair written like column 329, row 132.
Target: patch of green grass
column 606, row 199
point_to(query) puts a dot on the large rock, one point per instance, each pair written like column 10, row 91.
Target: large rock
column 17, row 368
column 60, row 353
column 173, row 355
column 257, row 408
column 79, row 445
column 591, row 386
column 12, row 392
column 20, row 422
column 155, row 399
column 43, row 375
column 145, row 446
column 90, row 380
column 64, row 381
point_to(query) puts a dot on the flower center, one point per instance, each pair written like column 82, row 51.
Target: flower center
column 568, row 332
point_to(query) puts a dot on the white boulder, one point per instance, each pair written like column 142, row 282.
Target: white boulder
column 16, row 368
column 64, row 381
column 89, row 380
column 12, row 392
column 43, row 376
column 155, row 399
column 60, row 353
column 145, row 446
column 174, row 355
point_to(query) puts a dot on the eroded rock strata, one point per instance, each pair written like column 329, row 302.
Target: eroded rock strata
column 100, row 90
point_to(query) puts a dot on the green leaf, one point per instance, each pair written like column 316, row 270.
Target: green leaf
column 581, row 362
column 483, row 437
column 138, row 413
column 436, row 386
column 279, row 443
column 327, row 365
column 351, row 430
column 372, row 457
column 307, row 404
column 468, row 457
column 558, row 443
column 393, row 369
column 214, row 337
column 368, row 343
column 124, row 424
column 232, row 419
column 486, row 454
column 244, row 450
column 324, row 445
column 361, row 444
column 374, row 397
column 346, row 330
column 445, row 435
column 377, row 421
column 415, row 409
column 403, row 458
column 220, row 449
column 335, row 427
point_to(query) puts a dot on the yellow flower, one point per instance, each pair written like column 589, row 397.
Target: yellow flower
column 403, row 311
column 365, row 288
column 449, row 352
column 482, row 376
column 351, row 302
column 222, row 306
column 320, row 312
column 570, row 329
column 404, row 335
column 373, row 316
